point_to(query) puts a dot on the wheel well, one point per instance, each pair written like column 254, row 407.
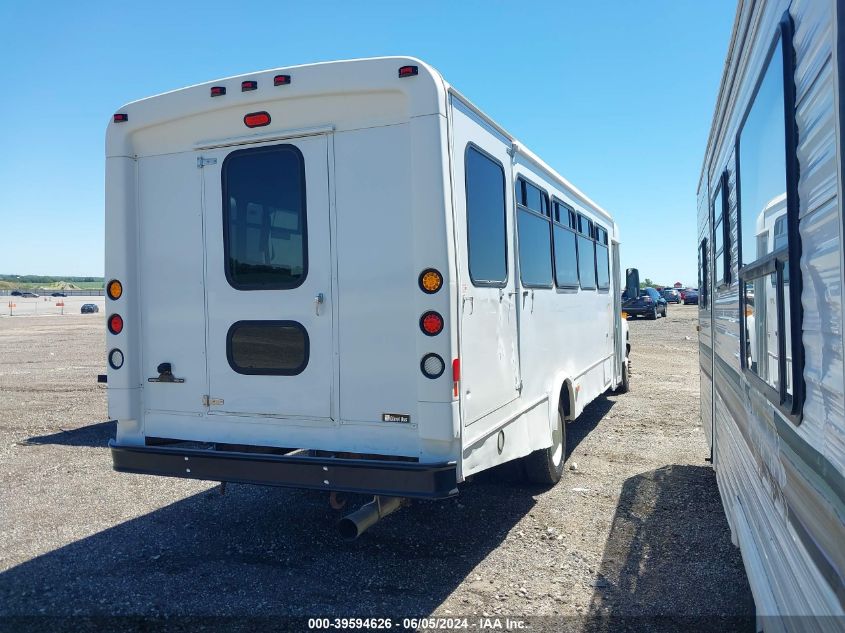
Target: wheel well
column 565, row 399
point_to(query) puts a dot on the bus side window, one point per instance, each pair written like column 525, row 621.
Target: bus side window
column 486, row 219
column 602, row 261
column 586, row 254
column 534, row 236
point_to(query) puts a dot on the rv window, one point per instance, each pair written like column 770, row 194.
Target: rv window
column 566, row 257
column 535, row 263
column 267, row 347
column 486, row 223
column 586, row 263
column 264, row 231
column 719, row 237
column 767, row 172
column 703, row 258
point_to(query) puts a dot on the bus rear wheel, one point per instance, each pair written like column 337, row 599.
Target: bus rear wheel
column 544, row 467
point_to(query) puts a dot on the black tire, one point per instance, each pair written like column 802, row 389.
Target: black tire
column 665, row 311
column 653, row 315
column 544, row 467
column 625, row 385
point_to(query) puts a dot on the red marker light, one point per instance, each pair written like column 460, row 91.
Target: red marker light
column 218, row 91
column 281, row 80
column 121, row 117
column 248, row 85
column 431, row 323
column 408, row 71
column 115, row 324
column 456, row 375
column 257, row 119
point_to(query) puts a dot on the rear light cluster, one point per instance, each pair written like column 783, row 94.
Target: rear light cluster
column 431, row 323
column 114, row 291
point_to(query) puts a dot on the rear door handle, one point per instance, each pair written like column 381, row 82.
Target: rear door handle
column 318, row 301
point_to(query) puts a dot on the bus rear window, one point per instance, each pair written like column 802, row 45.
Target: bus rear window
column 267, row 347
column 264, row 228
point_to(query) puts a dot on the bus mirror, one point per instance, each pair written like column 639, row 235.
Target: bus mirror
column 632, row 283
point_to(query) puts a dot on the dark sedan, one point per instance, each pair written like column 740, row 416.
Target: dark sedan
column 650, row 304
column 691, row 297
column 89, row 308
column 671, row 295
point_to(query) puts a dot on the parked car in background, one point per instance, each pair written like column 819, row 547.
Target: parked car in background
column 671, row 295
column 16, row 293
column 691, row 297
column 30, row 295
column 58, row 294
column 89, row 308
column 649, row 304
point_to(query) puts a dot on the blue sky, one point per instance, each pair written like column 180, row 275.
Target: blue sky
column 617, row 96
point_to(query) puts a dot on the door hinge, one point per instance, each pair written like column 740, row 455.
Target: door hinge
column 202, row 162
column 208, row 401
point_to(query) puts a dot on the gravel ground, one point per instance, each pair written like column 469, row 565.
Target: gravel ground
column 633, row 537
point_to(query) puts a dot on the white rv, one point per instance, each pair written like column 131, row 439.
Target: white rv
column 770, row 218
column 344, row 276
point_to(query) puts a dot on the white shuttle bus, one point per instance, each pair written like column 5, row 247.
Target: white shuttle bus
column 772, row 328
column 344, row 276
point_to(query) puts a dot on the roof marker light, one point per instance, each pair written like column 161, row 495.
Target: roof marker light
column 408, row 71
column 246, row 86
column 281, row 80
column 257, row 119
column 121, row 117
column 218, row 91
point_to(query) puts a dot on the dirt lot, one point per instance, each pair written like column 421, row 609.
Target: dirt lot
column 635, row 532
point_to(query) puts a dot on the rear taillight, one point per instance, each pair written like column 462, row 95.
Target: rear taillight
column 456, row 376
column 431, row 323
column 115, row 324
column 257, row 119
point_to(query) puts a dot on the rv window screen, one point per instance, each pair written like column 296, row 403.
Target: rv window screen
column 486, row 223
column 264, row 228
column 767, row 176
column 267, row 347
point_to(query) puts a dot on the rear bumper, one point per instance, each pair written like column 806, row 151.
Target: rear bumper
column 371, row 476
column 638, row 310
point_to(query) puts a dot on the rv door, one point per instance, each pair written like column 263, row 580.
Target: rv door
column 268, row 280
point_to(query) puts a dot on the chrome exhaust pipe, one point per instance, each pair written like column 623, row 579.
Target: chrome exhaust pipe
column 356, row 523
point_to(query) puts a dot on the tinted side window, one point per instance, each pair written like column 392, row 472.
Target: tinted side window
column 264, row 225
column 586, row 263
column 267, row 347
column 486, row 224
column 534, row 199
column 535, row 248
column 602, row 267
column 566, row 257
